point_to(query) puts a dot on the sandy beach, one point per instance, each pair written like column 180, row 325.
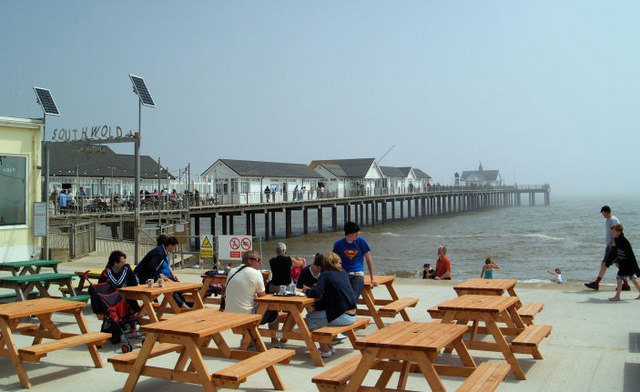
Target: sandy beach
column 594, row 346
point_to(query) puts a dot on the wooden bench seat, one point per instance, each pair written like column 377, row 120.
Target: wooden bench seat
column 393, row 308
column 37, row 351
column 335, row 379
column 527, row 341
column 234, row 375
column 80, row 298
column 32, row 294
column 435, row 313
column 25, row 327
column 328, row 333
column 528, row 311
column 123, row 362
column 485, row 378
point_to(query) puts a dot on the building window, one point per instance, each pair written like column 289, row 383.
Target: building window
column 13, row 190
column 244, row 185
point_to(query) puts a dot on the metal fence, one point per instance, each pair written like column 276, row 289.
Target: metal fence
column 78, row 238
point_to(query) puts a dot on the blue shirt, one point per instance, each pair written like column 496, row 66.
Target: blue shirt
column 352, row 254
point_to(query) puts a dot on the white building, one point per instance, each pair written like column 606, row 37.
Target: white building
column 350, row 177
column 481, row 177
column 245, row 182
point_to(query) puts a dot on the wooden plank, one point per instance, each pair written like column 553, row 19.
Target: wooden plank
column 235, row 374
column 339, row 374
column 393, row 308
column 158, row 349
column 37, row 351
column 532, row 335
column 485, row 378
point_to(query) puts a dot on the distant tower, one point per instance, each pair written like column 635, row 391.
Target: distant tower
column 480, row 167
column 457, row 177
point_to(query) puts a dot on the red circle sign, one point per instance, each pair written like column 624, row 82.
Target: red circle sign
column 234, row 243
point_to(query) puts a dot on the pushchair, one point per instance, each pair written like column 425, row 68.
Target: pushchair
column 118, row 318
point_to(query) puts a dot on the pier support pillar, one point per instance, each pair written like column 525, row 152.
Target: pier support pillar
column 319, row 219
column 334, row 218
column 266, row 226
column 287, row 223
column 305, row 220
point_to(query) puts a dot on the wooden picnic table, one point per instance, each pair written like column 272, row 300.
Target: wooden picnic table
column 148, row 294
column 487, row 287
column 221, row 279
column 293, row 306
column 406, row 347
column 380, row 307
column 190, row 334
column 29, row 266
column 23, row 284
column 91, row 274
column 490, row 310
column 43, row 309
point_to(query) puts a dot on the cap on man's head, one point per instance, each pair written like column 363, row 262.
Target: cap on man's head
column 606, row 209
column 426, row 265
column 351, row 227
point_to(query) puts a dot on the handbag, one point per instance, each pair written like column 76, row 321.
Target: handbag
column 223, row 302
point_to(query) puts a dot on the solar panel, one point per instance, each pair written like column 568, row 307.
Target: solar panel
column 141, row 89
column 46, row 101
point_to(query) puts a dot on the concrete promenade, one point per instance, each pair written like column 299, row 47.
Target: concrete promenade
column 594, row 346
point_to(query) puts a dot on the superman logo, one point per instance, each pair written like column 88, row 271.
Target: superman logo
column 351, row 253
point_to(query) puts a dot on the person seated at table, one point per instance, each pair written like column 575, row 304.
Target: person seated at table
column 155, row 265
column 118, row 274
column 244, row 284
column 281, row 276
column 337, row 295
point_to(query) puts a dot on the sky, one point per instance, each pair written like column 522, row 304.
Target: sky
column 544, row 91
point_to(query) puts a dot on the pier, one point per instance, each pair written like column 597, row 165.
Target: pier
column 318, row 215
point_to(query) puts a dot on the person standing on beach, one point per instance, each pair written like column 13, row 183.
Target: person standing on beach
column 487, row 268
column 353, row 251
column 443, row 265
column 622, row 254
column 610, row 220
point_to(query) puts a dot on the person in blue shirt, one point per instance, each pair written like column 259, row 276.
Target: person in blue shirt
column 353, row 251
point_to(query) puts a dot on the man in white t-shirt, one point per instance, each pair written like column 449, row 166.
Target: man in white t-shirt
column 244, row 284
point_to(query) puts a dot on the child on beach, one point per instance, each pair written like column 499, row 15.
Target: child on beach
column 558, row 275
column 487, row 268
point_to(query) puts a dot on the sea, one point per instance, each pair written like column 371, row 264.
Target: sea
column 525, row 241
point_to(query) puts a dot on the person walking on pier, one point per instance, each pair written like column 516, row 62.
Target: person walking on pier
column 353, row 251
column 610, row 220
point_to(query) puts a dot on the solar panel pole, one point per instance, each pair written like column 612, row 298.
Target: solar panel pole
column 137, row 184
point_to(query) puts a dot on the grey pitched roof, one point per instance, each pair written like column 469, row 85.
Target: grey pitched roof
column 352, row 167
column 98, row 161
column 270, row 169
column 486, row 175
column 420, row 174
column 391, row 171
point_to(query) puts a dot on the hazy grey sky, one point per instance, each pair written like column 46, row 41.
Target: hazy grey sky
column 545, row 91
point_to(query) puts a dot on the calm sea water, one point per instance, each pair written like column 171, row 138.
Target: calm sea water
column 525, row 241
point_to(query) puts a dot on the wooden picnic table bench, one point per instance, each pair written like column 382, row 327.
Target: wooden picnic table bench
column 190, row 334
column 23, row 284
column 43, row 309
column 29, row 266
column 378, row 308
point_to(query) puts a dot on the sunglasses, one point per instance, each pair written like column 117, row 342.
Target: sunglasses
column 255, row 258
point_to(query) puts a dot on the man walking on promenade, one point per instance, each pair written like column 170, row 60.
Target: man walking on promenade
column 353, row 251
column 610, row 220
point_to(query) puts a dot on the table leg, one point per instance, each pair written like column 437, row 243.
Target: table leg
column 369, row 357
column 197, row 363
column 463, row 353
column 367, row 295
column 141, row 360
column 197, row 299
column 495, row 331
column 6, row 340
column 147, row 306
column 426, row 367
column 404, row 374
column 302, row 327
column 93, row 350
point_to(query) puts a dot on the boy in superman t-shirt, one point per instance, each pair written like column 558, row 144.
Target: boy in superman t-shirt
column 353, row 251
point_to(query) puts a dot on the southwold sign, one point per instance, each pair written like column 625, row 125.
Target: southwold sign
column 99, row 132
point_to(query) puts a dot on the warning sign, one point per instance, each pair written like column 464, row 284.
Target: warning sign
column 231, row 247
column 206, row 246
